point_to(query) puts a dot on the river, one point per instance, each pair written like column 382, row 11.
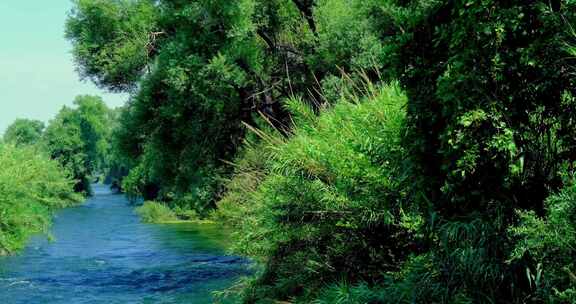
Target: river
column 101, row 253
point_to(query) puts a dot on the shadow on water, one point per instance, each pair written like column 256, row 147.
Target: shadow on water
column 103, row 254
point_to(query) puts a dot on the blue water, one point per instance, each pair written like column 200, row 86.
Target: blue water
column 101, row 253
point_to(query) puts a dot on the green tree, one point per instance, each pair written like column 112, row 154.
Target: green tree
column 77, row 137
column 206, row 67
column 94, row 119
column 24, row 132
column 490, row 119
column 186, row 114
column 117, row 40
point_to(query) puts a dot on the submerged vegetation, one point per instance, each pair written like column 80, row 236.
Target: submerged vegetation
column 332, row 198
column 362, row 151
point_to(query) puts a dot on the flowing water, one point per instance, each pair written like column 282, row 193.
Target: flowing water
column 101, row 253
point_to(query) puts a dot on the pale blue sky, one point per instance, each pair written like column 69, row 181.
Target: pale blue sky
column 37, row 75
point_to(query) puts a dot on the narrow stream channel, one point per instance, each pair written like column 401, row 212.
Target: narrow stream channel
column 101, row 253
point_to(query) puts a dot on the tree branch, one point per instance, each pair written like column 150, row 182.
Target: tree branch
column 305, row 8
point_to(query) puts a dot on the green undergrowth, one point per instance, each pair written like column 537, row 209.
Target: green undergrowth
column 31, row 188
column 330, row 198
column 161, row 213
column 336, row 198
column 155, row 212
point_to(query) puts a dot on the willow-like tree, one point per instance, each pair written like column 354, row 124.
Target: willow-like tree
column 198, row 69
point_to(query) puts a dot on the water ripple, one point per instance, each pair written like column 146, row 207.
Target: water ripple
column 103, row 254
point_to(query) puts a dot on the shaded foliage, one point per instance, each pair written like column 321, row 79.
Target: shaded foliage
column 490, row 127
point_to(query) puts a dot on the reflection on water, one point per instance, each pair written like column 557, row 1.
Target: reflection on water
column 103, row 254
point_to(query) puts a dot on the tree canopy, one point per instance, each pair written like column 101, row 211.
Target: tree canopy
column 24, row 132
column 78, row 138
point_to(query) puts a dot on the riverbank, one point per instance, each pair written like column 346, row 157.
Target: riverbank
column 160, row 213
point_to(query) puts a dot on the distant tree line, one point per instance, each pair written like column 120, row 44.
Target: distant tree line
column 79, row 138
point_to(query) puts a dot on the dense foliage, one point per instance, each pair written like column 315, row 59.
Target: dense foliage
column 44, row 168
column 459, row 190
column 332, row 199
column 155, row 212
column 79, row 139
column 31, row 186
column 210, row 65
column 24, row 132
column 490, row 91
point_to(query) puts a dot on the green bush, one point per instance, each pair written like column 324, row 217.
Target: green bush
column 490, row 132
column 548, row 244
column 24, row 132
column 330, row 199
column 155, row 212
column 31, row 186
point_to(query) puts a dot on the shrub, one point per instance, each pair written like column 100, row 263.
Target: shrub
column 31, row 186
column 490, row 125
column 331, row 198
column 547, row 248
column 155, row 212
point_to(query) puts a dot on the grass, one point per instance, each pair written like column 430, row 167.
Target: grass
column 330, row 198
column 156, row 212
column 161, row 213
